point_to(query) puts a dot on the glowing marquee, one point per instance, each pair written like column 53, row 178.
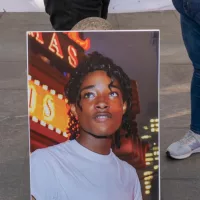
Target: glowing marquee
column 47, row 107
column 57, row 45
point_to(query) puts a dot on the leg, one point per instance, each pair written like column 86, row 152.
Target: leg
column 64, row 14
column 59, row 15
column 104, row 11
column 190, row 25
column 191, row 37
column 189, row 8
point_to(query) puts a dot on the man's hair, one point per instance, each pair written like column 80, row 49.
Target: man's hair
column 94, row 62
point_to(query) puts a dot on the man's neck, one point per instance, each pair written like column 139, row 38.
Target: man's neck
column 100, row 146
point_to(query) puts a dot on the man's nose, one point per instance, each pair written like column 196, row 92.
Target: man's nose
column 102, row 104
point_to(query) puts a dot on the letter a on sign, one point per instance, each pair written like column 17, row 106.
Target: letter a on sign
column 55, row 46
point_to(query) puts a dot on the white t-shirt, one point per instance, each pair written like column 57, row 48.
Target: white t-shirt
column 69, row 171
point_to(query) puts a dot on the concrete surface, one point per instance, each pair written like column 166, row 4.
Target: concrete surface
column 179, row 179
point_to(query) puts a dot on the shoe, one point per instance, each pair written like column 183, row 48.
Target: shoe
column 185, row 147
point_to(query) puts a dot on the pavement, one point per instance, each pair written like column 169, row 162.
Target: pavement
column 180, row 180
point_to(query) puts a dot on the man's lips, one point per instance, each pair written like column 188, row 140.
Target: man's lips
column 102, row 116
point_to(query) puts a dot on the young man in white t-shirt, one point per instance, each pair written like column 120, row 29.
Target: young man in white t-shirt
column 85, row 168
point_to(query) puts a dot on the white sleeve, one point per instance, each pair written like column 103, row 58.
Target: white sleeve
column 137, row 195
column 42, row 178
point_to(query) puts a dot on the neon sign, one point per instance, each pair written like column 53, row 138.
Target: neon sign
column 73, row 61
column 59, row 43
column 85, row 44
column 47, row 107
column 55, row 46
column 37, row 36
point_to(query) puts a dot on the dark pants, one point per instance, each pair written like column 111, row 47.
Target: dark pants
column 190, row 24
column 64, row 14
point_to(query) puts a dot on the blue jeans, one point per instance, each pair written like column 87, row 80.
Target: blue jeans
column 190, row 25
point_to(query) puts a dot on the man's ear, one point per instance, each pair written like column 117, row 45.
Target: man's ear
column 73, row 110
column 124, row 107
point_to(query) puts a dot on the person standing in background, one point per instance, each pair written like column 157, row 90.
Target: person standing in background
column 190, row 25
column 64, row 14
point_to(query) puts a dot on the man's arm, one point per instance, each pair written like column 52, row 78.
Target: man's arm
column 32, row 198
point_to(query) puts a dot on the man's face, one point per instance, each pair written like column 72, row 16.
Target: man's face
column 102, row 107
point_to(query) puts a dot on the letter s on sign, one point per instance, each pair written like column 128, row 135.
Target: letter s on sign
column 48, row 108
column 72, row 58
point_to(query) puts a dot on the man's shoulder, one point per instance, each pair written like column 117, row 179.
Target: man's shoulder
column 129, row 167
column 126, row 166
column 49, row 152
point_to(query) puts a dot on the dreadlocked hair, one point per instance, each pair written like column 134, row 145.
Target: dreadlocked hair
column 95, row 61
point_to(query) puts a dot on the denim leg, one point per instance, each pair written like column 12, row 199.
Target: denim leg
column 190, row 25
column 191, row 37
column 189, row 8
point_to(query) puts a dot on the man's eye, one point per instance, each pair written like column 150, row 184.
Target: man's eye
column 88, row 95
column 114, row 94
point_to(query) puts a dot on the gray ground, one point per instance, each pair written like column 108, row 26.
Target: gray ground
column 179, row 179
